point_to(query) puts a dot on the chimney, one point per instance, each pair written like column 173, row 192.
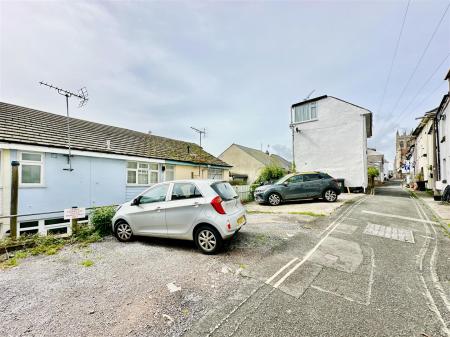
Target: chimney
column 149, row 132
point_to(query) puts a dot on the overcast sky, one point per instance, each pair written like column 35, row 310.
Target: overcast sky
column 233, row 68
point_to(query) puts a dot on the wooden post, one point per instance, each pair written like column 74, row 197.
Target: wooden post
column 74, row 223
column 14, row 198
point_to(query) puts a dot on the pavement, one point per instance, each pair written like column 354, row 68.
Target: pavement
column 440, row 209
column 315, row 206
column 379, row 266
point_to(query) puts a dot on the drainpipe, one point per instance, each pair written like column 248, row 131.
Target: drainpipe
column 437, row 156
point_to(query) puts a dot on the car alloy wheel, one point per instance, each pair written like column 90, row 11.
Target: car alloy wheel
column 330, row 195
column 207, row 240
column 123, row 231
column 274, row 199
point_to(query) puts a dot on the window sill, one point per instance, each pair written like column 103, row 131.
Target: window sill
column 140, row 185
column 32, row 186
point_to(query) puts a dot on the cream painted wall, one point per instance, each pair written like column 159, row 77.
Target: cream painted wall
column 194, row 172
column 425, row 154
column 335, row 143
column 242, row 162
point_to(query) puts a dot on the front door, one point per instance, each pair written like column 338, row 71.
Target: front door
column 183, row 208
column 149, row 217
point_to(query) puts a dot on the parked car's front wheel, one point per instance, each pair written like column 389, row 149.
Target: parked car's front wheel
column 208, row 240
column 330, row 195
column 123, row 231
column 274, row 199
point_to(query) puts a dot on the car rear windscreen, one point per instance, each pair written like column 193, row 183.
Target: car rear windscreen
column 224, row 190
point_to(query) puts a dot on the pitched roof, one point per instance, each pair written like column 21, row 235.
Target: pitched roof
column 29, row 126
column 264, row 158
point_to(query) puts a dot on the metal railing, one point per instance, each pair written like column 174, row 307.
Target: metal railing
column 36, row 222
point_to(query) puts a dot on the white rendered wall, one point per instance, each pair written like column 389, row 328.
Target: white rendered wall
column 336, row 143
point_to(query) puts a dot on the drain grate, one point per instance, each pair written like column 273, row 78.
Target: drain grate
column 393, row 233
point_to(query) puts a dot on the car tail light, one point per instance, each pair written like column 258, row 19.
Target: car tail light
column 229, row 226
column 217, row 204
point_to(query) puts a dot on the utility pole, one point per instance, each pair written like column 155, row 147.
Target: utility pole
column 83, row 96
column 14, row 198
column 200, row 132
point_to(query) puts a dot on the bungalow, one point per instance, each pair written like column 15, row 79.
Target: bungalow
column 248, row 163
column 108, row 164
column 330, row 135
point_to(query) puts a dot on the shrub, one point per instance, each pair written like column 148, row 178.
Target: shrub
column 373, row 172
column 101, row 219
column 270, row 174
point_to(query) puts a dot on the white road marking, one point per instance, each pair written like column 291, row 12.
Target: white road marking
column 371, row 277
column 312, row 251
column 431, row 303
column 399, row 217
column 393, row 233
column 281, row 270
column 434, row 276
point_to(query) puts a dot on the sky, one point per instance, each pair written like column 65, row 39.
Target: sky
column 233, row 68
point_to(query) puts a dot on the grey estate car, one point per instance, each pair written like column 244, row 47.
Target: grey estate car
column 296, row 186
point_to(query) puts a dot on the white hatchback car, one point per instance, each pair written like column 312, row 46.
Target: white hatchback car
column 206, row 211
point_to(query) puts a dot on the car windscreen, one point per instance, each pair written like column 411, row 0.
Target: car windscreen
column 283, row 179
column 224, row 190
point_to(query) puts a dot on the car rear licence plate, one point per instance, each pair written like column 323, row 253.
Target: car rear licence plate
column 241, row 220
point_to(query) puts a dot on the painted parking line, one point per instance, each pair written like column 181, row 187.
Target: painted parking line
column 333, row 226
column 399, row 217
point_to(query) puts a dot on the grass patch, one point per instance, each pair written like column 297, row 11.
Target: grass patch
column 413, row 194
column 260, row 212
column 308, row 213
column 46, row 245
column 87, row 263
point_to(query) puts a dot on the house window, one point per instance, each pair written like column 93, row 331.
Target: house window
column 31, row 168
column 215, row 173
column 305, row 112
column 169, row 173
column 142, row 173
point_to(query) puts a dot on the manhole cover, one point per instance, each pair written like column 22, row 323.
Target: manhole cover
column 393, row 233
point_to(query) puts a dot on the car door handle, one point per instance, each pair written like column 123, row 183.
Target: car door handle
column 196, row 204
column 158, row 209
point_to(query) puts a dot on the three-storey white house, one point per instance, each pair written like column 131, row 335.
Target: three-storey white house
column 330, row 135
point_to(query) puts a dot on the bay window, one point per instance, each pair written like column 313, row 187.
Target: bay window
column 139, row 173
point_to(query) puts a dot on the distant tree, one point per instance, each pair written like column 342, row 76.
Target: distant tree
column 270, row 173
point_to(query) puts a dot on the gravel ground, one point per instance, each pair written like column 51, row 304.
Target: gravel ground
column 150, row 287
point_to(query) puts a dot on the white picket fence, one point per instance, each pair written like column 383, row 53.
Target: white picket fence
column 243, row 191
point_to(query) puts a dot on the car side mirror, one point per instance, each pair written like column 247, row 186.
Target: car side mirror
column 136, row 201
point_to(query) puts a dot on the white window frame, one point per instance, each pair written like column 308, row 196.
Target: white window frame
column 149, row 171
column 34, row 163
column 306, row 113
column 215, row 169
column 172, row 168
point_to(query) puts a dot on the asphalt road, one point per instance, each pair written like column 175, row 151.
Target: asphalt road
column 378, row 267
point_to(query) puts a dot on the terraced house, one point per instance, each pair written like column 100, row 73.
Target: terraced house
column 108, row 165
